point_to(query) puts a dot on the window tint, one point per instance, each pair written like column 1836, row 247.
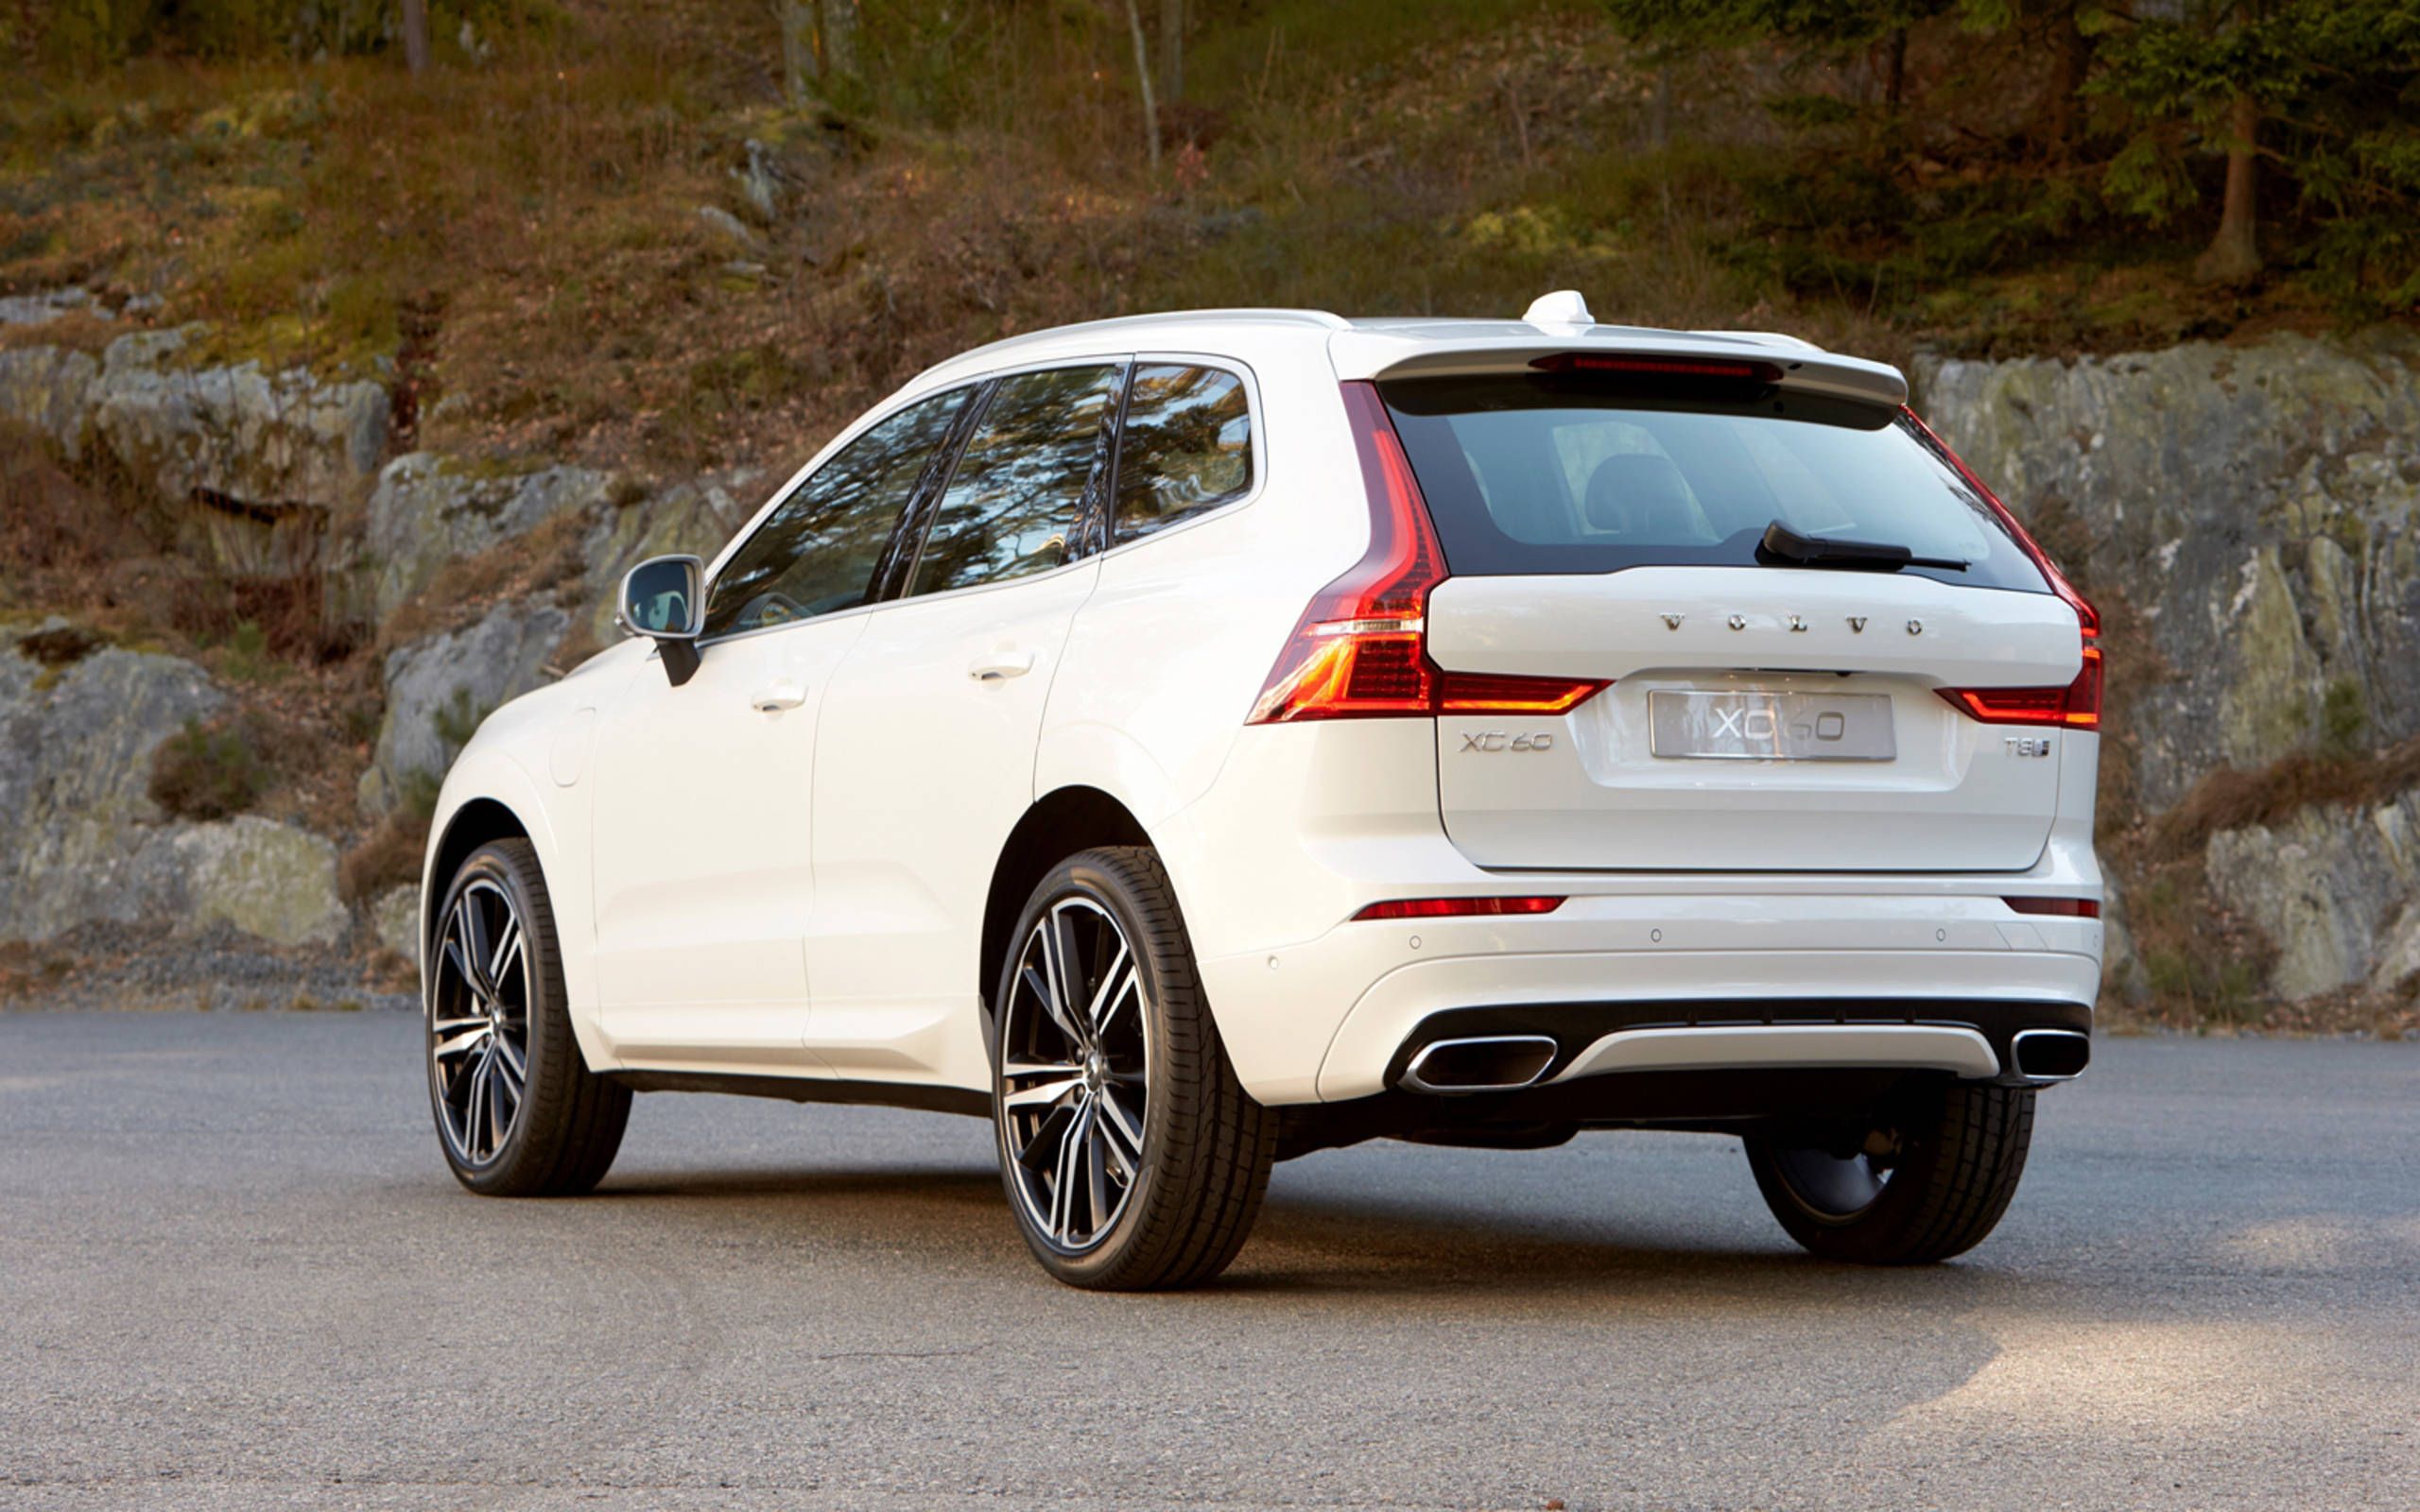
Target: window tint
column 1554, row 474
column 1012, row 507
column 1186, row 446
column 818, row 550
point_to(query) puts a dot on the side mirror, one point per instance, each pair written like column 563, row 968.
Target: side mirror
column 665, row 598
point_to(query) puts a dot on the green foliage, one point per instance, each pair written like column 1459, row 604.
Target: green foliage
column 2344, row 716
column 2337, row 86
column 210, row 771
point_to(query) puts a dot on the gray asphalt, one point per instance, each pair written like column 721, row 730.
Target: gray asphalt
column 234, row 1273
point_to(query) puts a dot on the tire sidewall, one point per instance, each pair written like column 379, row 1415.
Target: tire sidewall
column 1080, row 876
column 495, row 863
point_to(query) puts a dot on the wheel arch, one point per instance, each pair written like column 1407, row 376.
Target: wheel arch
column 491, row 796
column 476, row 823
column 1061, row 823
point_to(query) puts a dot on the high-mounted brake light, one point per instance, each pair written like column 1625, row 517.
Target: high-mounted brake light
column 1763, row 372
column 1361, row 649
column 1457, row 907
column 2077, row 706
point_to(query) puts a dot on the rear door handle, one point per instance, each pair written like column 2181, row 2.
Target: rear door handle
column 1000, row 664
column 779, row 697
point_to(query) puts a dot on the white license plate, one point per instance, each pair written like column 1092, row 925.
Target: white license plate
column 1771, row 727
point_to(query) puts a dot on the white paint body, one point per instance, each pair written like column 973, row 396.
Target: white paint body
column 800, row 892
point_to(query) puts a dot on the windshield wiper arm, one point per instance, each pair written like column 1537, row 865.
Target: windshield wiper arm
column 1782, row 543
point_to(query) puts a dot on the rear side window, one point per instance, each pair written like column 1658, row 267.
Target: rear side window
column 1011, row 505
column 817, row 552
column 1546, row 473
column 1185, row 446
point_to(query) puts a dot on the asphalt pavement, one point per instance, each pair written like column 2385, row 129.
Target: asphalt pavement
column 234, row 1273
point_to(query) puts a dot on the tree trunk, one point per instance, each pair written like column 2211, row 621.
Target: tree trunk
column 2072, row 67
column 416, row 36
column 1172, row 48
column 1143, row 77
column 839, row 39
column 2235, row 253
column 1659, row 110
column 797, row 51
column 1894, row 90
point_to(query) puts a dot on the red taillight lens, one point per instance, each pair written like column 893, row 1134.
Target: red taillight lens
column 1357, row 650
column 2077, row 706
column 1488, row 692
column 2057, row 907
column 1361, row 649
column 1457, row 907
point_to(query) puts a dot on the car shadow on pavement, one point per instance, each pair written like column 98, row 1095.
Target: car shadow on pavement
column 1315, row 1244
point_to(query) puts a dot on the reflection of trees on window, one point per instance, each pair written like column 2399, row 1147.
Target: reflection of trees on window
column 1011, row 507
column 817, row 551
column 1187, row 446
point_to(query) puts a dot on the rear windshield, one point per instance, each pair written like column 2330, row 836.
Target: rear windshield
column 1546, row 473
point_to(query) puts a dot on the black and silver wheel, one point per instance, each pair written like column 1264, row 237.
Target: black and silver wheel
column 1132, row 1159
column 1921, row 1180
column 518, row 1111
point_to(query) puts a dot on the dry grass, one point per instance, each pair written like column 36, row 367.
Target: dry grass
column 387, row 856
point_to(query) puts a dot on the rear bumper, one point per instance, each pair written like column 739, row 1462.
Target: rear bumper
column 1338, row 1017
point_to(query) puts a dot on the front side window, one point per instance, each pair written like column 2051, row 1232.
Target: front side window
column 1185, row 446
column 1012, row 507
column 817, row 552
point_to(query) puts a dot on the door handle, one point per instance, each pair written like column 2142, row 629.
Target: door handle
column 1001, row 664
column 779, row 697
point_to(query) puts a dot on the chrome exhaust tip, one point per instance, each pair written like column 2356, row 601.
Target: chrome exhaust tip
column 2050, row 1055
column 1492, row 1063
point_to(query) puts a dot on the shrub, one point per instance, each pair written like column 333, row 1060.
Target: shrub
column 386, row 856
column 210, row 771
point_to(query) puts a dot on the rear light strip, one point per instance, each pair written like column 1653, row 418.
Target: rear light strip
column 1457, row 907
column 2057, row 907
column 1361, row 649
column 2077, row 706
column 1763, row 372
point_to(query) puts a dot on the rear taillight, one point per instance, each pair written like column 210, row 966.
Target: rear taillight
column 1457, row 907
column 2077, row 706
column 1361, row 649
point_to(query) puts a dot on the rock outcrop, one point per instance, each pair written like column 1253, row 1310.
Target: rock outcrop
column 437, row 690
column 81, row 841
column 2253, row 506
column 248, row 464
column 2247, row 514
column 429, row 511
column 75, row 815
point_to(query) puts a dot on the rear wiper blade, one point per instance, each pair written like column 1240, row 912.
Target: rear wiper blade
column 1783, row 544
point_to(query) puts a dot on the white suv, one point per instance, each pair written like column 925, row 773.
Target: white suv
column 1196, row 739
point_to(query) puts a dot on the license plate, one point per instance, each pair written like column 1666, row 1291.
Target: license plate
column 1771, row 727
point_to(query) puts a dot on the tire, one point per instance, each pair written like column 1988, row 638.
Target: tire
column 563, row 1123
column 1064, row 1101
column 1953, row 1156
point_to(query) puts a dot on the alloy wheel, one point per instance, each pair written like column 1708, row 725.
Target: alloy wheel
column 1074, row 1074
column 478, row 1022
